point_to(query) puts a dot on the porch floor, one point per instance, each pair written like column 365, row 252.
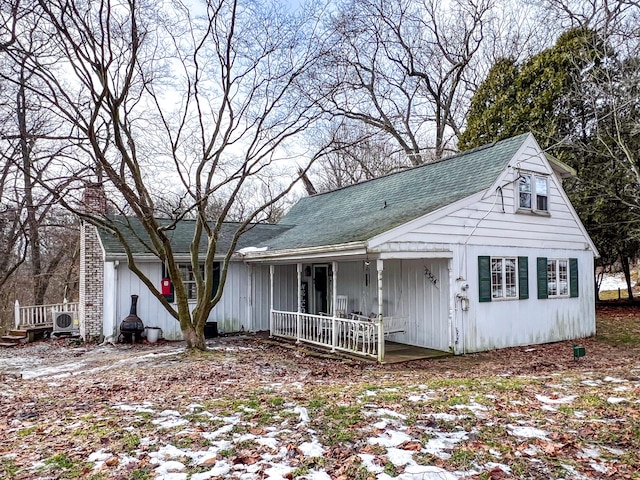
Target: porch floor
column 398, row 352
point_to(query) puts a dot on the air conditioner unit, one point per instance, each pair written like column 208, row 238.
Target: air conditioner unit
column 65, row 322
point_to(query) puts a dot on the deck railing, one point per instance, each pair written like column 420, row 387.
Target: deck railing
column 356, row 336
column 40, row 315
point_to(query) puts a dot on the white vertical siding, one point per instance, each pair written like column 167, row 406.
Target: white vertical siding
column 109, row 325
column 506, row 323
column 422, row 297
column 260, row 297
column 230, row 312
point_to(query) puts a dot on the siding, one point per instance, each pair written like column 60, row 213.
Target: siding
column 231, row 312
column 507, row 323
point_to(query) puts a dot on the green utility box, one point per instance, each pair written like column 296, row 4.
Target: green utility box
column 578, row 351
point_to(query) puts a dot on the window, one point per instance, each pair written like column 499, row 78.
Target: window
column 502, row 278
column 557, row 277
column 533, row 192
column 188, row 278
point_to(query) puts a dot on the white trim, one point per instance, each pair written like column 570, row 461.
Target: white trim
column 414, row 255
column 308, row 253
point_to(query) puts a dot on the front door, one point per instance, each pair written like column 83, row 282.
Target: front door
column 321, row 289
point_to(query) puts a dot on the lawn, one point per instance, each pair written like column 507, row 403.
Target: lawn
column 252, row 409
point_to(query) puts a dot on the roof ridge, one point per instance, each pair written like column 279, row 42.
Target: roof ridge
column 416, row 167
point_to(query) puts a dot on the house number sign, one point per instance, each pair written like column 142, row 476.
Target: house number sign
column 432, row 278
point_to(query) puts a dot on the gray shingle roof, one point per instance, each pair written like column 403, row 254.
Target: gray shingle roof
column 362, row 211
column 181, row 236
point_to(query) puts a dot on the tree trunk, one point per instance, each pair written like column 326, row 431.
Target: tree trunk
column 194, row 337
column 627, row 275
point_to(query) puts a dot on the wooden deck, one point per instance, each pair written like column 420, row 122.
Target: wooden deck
column 398, row 352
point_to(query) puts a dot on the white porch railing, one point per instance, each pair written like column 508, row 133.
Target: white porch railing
column 356, row 336
column 40, row 315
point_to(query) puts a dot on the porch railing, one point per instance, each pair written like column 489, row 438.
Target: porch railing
column 355, row 336
column 40, row 315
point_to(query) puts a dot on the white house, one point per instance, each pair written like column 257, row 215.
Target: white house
column 478, row 251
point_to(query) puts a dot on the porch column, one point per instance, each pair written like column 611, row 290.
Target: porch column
column 299, row 309
column 334, row 301
column 16, row 313
column 334, row 293
column 271, row 322
column 380, row 267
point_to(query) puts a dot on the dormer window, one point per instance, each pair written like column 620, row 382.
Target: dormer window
column 533, row 192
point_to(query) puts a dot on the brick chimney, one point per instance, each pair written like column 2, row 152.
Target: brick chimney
column 91, row 293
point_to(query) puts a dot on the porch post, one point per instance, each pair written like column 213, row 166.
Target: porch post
column 299, row 309
column 16, row 313
column 334, row 292
column 380, row 266
column 271, row 321
column 334, row 313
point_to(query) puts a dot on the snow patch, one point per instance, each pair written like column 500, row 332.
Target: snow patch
column 390, row 438
column 311, row 449
column 526, row 432
column 556, row 401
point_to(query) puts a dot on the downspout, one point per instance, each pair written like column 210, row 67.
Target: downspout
column 334, row 313
column 380, row 267
column 299, row 307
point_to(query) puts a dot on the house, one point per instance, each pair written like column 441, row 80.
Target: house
column 478, row 251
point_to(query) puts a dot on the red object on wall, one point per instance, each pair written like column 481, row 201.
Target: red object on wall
column 166, row 286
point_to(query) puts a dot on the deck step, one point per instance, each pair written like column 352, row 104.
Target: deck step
column 18, row 333
column 8, row 344
column 11, row 338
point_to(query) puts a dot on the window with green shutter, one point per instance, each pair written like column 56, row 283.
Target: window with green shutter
column 557, row 277
column 502, row 278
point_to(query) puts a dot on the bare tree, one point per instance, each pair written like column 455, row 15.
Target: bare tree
column 201, row 98
column 401, row 66
column 28, row 136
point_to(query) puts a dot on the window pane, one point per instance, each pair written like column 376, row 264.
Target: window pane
column 563, row 284
column 552, row 277
column 496, row 278
column 541, row 203
column 524, row 187
column 541, row 186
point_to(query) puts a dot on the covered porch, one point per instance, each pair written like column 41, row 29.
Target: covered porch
column 364, row 305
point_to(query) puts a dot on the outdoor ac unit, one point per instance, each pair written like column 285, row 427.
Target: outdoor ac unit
column 65, row 322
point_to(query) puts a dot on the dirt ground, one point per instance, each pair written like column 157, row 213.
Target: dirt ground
column 253, row 408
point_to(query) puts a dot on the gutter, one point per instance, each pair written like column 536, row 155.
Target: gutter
column 352, row 248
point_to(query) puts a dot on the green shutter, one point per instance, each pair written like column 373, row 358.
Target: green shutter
column 543, row 285
column 573, row 277
column 523, row 277
column 484, row 278
column 216, row 278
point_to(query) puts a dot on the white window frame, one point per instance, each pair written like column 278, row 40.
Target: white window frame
column 188, row 279
column 534, row 192
column 500, row 289
column 556, row 277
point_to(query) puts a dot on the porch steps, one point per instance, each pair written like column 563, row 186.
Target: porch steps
column 26, row 335
column 14, row 337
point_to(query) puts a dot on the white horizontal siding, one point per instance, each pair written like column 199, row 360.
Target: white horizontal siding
column 494, row 221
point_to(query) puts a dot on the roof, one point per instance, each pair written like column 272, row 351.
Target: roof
column 181, row 236
column 359, row 212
